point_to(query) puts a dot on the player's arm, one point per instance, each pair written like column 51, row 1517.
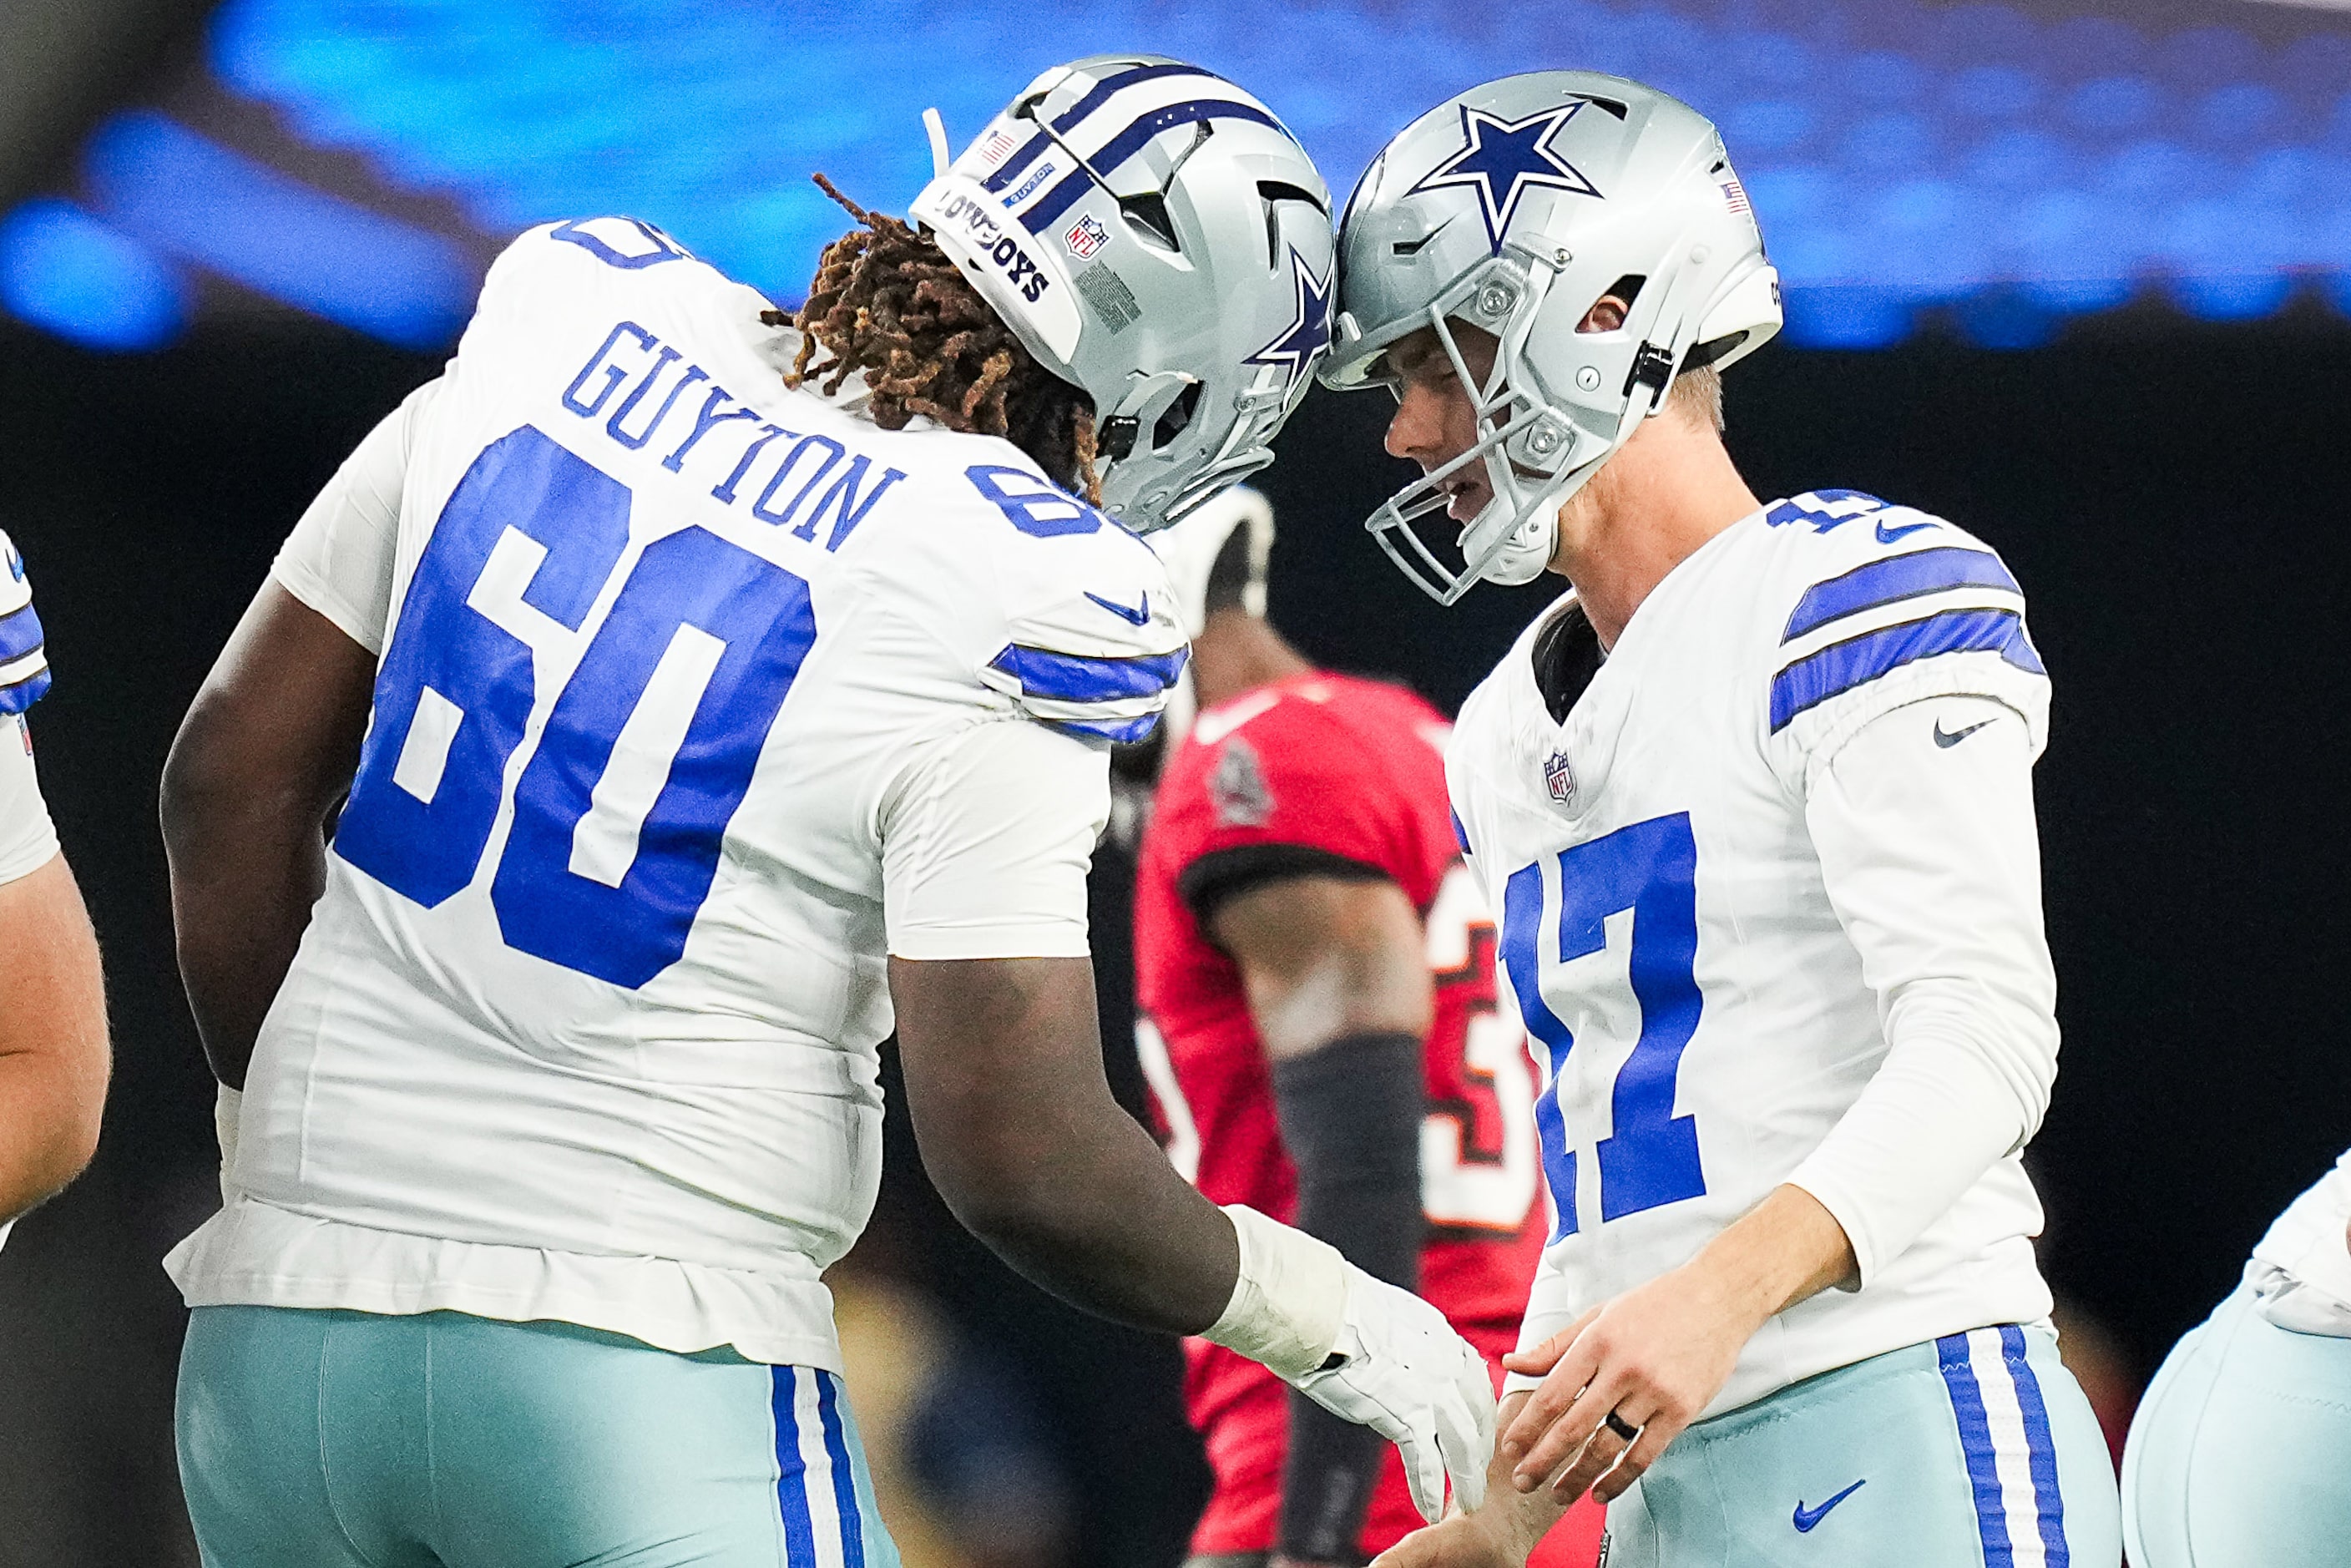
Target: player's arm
column 1338, row 985
column 53, row 1042
column 266, row 753
column 1931, row 859
column 985, row 843
column 269, row 749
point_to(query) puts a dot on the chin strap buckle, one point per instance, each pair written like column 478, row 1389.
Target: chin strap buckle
column 1653, row 368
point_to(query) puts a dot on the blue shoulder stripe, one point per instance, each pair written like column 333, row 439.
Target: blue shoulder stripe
column 1461, row 833
column 1071, row 678
column 1895, row 579
column 1841, row 666
column 20, row 634
column 25, row 692
column 1126, row 732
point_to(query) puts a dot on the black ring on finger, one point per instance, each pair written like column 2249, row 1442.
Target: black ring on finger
column 1617, row 1425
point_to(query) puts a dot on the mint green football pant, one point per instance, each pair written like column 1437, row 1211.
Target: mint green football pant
column 339, row 1439
column 2240, row 1456
column 1976, row 1450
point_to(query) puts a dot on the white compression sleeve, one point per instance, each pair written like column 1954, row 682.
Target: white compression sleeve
column 1932, row 858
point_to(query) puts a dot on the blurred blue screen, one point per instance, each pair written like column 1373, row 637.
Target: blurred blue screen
column 2010, row 172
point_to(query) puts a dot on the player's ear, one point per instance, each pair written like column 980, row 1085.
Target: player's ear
column 1609, row 313
column 1606, row 316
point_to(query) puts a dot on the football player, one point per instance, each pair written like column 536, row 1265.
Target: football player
column 703, row 689
column 1754, row 801
column 1315, row 969
column 53, row 1044
column 2236, row 1457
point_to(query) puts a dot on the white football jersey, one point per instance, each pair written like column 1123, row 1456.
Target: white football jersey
column 697, row 697
column 2302, row 1267
column 27, row 840
column 1713, row 933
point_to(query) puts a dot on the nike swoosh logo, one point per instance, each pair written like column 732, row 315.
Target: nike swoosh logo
column 1948, row 741
column 1138, row 616
column 1887, row 536
column 1808, row 1517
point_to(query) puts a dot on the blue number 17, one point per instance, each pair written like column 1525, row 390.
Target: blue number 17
column 1650, row 1157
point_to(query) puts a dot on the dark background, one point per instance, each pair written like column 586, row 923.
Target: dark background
column 2169, row 494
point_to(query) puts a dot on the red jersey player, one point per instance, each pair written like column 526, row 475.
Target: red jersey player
column 1315, row 973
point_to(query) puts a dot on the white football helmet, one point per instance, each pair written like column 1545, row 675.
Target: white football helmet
column 1516, row 208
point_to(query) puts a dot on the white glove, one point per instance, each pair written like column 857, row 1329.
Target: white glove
column 227, row 1105
column 1367, row 1353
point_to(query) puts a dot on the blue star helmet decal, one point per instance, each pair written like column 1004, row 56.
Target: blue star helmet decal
column 1295, row 347
column 1503, row 157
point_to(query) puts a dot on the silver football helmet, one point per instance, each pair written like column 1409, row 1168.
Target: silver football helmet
column 1156, row 237
column 1516, row 208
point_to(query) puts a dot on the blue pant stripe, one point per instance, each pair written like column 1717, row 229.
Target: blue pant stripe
column 1975, row 1442
column 791, row 1471
column 2049, row 1500
column 844, row 1477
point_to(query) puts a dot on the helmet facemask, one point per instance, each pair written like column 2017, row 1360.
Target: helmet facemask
column 1536, row 453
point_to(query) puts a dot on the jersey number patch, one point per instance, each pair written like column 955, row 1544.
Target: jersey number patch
column 1650, row 869
column 621, row 804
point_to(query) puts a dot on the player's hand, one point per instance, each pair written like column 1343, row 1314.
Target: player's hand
column 1502, row 1533
column 1654, row 1358
column 1462, row 1541
column 1399, row 1368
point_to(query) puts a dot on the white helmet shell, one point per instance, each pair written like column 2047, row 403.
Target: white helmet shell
column 1515, row 207
column 1157, row 238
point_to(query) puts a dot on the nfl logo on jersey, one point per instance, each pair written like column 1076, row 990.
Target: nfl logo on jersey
column 1559, row 776
column 1085, row 236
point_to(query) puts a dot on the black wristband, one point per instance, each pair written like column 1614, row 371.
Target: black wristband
column 1351, row 1115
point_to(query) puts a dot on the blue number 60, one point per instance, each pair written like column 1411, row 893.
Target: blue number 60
column 707, row 622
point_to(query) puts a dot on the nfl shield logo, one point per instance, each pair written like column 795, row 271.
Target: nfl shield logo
column 1085, row 236
column 1559, row 778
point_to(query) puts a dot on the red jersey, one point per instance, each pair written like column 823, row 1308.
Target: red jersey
column 1307, row 770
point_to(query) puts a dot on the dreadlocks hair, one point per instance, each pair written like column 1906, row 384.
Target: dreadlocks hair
column 887, row 301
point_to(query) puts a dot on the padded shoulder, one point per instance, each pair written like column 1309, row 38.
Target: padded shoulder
column 24, row 655
column 1877, row 605
column 1090, row 639
column 552, row 272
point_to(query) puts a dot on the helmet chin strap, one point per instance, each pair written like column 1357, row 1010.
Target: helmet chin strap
column 1524, row 553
